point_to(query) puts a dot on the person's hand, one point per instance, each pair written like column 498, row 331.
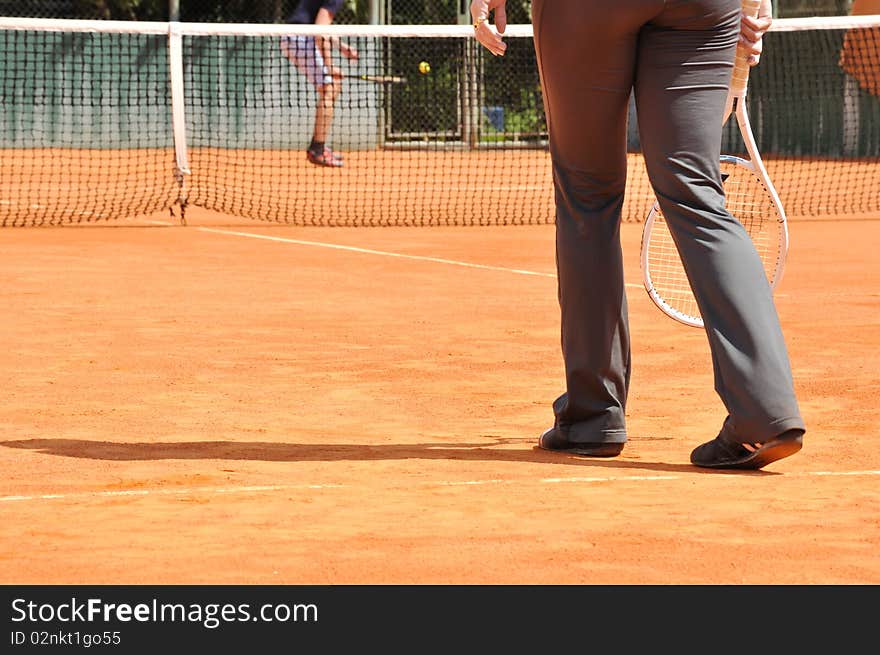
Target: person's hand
column 487, row 34
column 335, row 72
column 752, row 30
column 348, row 51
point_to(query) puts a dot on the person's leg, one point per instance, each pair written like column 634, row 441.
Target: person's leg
column 328, row 89
column 327, row 94
column 586, row 55
column 683, row 73
column 302, row 52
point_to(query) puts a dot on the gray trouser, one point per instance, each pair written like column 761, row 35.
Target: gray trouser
column 677, row 58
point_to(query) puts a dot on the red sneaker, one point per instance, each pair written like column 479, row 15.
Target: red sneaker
column 325, row 158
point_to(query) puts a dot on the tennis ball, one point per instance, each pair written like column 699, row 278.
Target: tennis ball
column 424, row 67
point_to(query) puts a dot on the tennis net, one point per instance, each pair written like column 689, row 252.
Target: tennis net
column 101, row 120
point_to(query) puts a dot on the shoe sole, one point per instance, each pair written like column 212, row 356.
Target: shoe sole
column 770, row 452
column 604, row 450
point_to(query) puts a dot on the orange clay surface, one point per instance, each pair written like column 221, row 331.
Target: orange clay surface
column 238, row 402
column 390, row 187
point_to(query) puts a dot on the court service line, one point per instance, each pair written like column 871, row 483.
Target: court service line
column 271, row 488
column 384, row 253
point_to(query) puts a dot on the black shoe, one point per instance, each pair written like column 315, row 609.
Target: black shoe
column 554, row 440
column 722, row 453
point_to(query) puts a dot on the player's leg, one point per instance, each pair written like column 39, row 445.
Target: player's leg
column 685, row 61
column 302, row 52
column 586, row 59
column 328, row 92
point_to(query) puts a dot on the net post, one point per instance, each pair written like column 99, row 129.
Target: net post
column 851, row 117
column 468, row 87
column 178, row 113
column 463, row 12
column 377, row 12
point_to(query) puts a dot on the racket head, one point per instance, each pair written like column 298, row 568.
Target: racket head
column 663, row 274
column 752, row 204
column 751, row 199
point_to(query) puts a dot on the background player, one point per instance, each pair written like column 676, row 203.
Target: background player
column 313, row 57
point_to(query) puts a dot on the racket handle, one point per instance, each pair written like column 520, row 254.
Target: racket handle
column 740, row 78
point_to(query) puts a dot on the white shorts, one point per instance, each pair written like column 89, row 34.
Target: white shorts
column 302, row 51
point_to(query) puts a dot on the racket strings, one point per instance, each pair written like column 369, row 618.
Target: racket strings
column 747, row 200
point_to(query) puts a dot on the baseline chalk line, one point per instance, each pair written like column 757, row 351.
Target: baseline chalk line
column 272, row 488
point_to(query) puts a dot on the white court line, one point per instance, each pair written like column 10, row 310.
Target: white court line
column 170, row 492
column 270, row 488
column 612, row 478
column 384, row 253
column 831, row 473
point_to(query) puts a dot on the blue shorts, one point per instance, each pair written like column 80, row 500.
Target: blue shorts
column 303, row 52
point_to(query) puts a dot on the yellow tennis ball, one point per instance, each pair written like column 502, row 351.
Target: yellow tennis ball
column 424, row 67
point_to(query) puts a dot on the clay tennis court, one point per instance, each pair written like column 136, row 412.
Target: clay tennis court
column 236, row 401
column 416, row 187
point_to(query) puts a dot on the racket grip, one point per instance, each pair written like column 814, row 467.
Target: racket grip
column 740, row 78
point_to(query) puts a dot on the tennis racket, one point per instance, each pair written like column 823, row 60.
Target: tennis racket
column 381, row 79
column 750, row 198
